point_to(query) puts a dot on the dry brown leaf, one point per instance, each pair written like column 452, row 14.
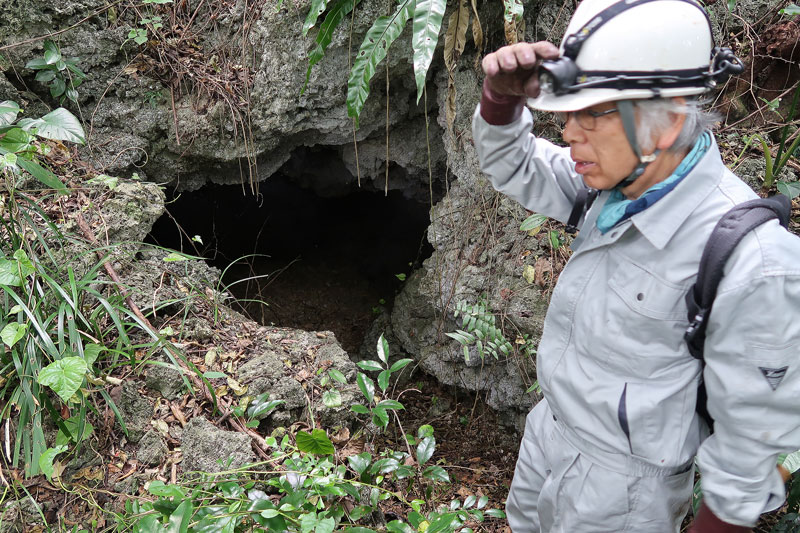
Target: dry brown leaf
column 544, row 271
column 341, row 436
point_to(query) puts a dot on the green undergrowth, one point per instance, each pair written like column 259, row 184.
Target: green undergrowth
column 309, row 486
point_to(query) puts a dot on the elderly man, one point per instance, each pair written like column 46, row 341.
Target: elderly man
column 612, row 445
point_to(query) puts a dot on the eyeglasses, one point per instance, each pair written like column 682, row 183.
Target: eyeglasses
column 586, row 118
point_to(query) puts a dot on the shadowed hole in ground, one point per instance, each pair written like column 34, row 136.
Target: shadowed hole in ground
column 316, row 263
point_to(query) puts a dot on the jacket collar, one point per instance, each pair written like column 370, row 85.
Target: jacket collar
column 659, row 222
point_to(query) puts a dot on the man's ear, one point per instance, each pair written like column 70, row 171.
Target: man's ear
column 670, row 135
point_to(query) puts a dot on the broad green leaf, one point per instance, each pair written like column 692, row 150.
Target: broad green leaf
column 469, row 501
column 391, row 404
column 326, row 29
column 73, row 424
column 399, row 365
column 372, row 51
column 790, row 189
column 360, row 462
column 51, row 53
column 533, row 222
column 424, row 431
column 384, row 466
column 360, row 409
column 16, row 140
column 64, row 376
column 262, row 406
column 59, row 124
column 57, row 87
column 425, row 449
column 442, row 523
column 482, row 501
column 317, row 8
column 367, row 387
column 12, row 333
column 37, row 64
column 337, row 376
column 380, row 417
column 396, row 526
column 332, row 398
column 45, row 76
column 42, row 174
column 269, row 513
column 47, row 458
column 495, row 513
column 8, row 112
column 383, row 350
column 181, row 517
column 369, row 366
column 9, row 273
column 428, row 16
column 210, row 374
column 162, row 490
column 436, row 473
column 24, row 264
column 383, row 380
column 91, row 352
column 316, row 442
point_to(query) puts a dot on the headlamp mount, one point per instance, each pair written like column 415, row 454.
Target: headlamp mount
column 563, row 76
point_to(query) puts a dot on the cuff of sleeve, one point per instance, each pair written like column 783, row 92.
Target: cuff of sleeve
column 708, row 522
column 500, row 109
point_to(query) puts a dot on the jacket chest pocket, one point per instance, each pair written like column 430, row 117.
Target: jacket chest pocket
column 646, row 318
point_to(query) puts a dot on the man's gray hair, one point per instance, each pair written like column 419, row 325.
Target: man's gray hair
column 653, row 117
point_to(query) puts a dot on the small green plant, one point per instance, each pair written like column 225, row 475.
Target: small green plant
column 20, row 151
column 377, row 408
column 481, row 330
column 61, row 74
column 784, row 152
column 149, row 21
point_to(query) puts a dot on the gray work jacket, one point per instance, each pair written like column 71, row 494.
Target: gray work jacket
column 612, row 361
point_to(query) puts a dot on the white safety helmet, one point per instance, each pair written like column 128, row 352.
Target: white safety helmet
column 633, row 49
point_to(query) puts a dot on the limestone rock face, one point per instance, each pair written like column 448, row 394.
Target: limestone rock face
column 207, row 448
column 219, row 124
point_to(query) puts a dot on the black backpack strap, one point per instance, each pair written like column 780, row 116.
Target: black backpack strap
column 583, row 201
column 727, row 234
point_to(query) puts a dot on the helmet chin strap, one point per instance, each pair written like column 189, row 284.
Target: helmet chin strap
column 628, row 117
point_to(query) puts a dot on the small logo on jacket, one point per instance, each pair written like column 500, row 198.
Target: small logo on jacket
column 774, row 376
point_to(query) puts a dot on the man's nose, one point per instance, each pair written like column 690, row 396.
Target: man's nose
column 572, row 132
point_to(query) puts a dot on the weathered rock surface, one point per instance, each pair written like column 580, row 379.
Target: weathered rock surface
column 207, row 448
column 136, row 411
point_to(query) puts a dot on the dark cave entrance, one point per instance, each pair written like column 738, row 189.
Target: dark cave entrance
column 317, row 263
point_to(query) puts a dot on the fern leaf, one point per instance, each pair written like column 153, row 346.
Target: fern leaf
column 317, row 8
column 325, row 35
column 374, row 48
column 428, row 16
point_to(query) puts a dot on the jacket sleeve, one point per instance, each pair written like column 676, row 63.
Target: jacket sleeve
column 536, row 173
column 752, row 376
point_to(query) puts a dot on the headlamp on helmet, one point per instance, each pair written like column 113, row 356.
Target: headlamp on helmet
column 563, row 76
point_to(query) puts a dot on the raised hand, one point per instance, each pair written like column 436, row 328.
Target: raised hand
column 510, row 70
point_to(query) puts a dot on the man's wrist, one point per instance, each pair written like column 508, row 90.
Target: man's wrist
column 708, row 522
column 500, row 109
